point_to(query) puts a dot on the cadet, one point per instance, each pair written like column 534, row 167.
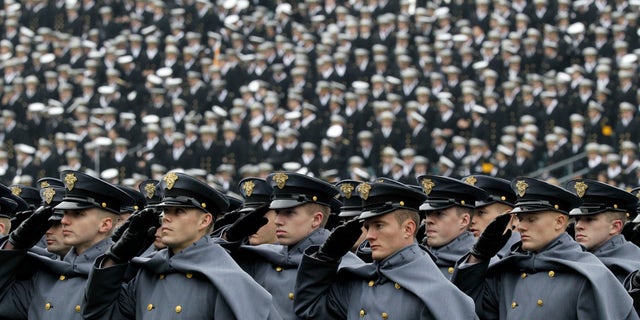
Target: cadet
column 599, row 222
column 52, row 192
column 548, row 275
column 256, row 193
column 204, row 281
column 7, row 210
column 302, row 206
column 448, row 210
column 351, row 208
column 501, row 199
column 401, row 283
column 91, row 207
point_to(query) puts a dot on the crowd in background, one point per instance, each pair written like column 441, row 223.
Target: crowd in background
column 355, row 89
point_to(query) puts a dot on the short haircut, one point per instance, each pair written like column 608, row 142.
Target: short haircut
column 404, row 214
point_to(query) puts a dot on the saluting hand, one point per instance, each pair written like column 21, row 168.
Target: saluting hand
column 29, row 232
column 493, row 238
column 341, row 240
column 248, row 224
column 142, row 225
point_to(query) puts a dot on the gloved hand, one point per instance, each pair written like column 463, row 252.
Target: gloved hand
column 227, row 219
column 340, row 241
column 248, row 224
column 29, row 232
column 19, row 218
column 571, row 230
column 132, row 242
column 493, row 238
column 629, row 231
column 120, row 231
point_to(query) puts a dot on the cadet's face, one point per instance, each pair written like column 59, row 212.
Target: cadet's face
column 181, row 227
column 294, row 224
column 484, row 215
column 84, row 228
column 538, row 229
column 157, row 242
column 592, row 231
column 266, row 234
column 386, row 235
column 54, row 238
column 445, row 225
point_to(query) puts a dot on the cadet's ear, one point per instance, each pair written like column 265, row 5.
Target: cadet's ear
column 206, row 220
column 561, row 221
column 409, row 228
column 616, row 226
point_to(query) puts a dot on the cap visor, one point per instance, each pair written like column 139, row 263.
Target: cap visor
column 349, row 213
column 173, row 203
column 71, row 205
column 284, row 204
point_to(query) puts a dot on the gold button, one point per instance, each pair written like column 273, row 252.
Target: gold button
column 189, row 275
column 552, row 274
column 204, row 205
column 279, row 269
column 77, row 308
column 290, row 295
column 450, row 270
column 362, row 313
column 371, row 283
column 162, row 276
column 514, row 305
column 523, row 275
column 397, row 285
column 47, row 306
column 178, row 309
column 104, row 204
column 402, row 203
column 149, row 307
column 62, row 277
column 540, row 303
column 385, row 315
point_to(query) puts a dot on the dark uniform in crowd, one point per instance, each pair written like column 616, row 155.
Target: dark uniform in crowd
column 90, row 207
column 448, row 210
column 548, row 275
column 402, row 274
column 302, row 206
column 204, row 280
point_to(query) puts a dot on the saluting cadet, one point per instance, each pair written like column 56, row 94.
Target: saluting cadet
column 91, row 207
column 402, row 282
column 448, row 210
column 302, row 206
column 193, row 277
column 599, row 223
column 547, row 275
column 256, row 193
column 52, row 192
column 500, row 201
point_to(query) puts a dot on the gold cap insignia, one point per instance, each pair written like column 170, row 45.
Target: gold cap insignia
column 346, row 188
column 281, row 179
column 150, row 190
column 471, row 180
column 248, row 188
column 16, row 191
column 48, row 194
column 44, row 184
column 70, row 181
column 427, row 186
column 170, row 179
column 581, row 188
column 521, row 187
column 364, row 189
